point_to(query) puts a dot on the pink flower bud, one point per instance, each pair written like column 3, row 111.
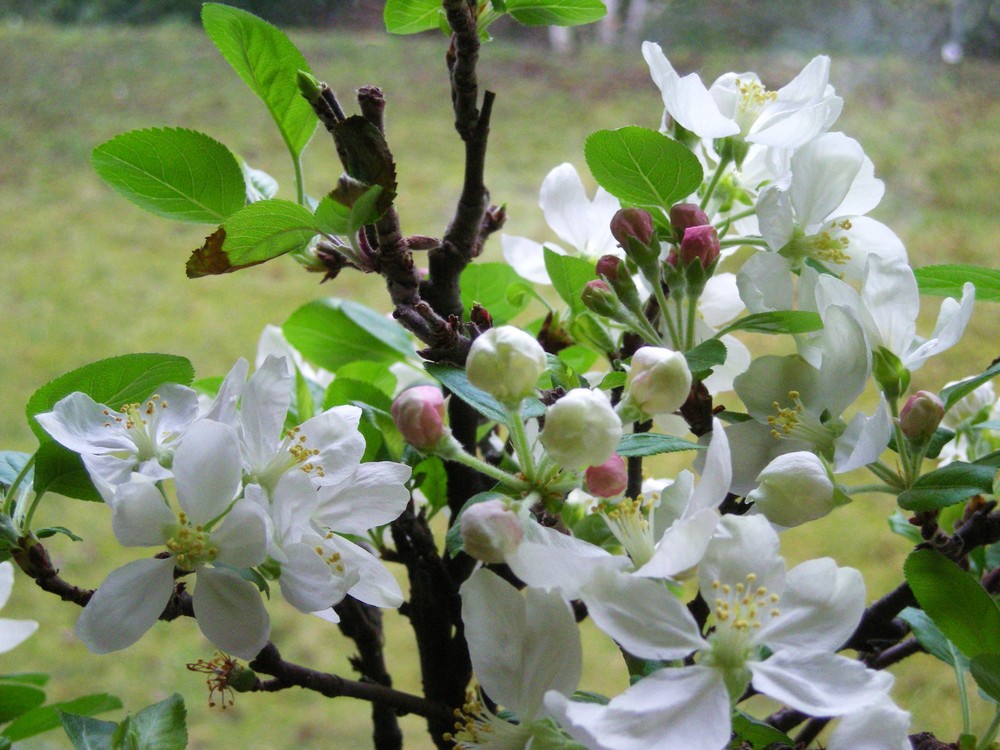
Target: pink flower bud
column 632, row 222
column 607, row 266
column 608, row 479
column 701, row 242
column 419, row 415
column 921, row 415
column 684, row 215
column 490, row 531
column 600, row 298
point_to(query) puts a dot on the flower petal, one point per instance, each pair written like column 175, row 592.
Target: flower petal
column 140, row 515
column 743, row 545
column 126, row 605
column 263, row 408
column 85, row 426
column 883, row 726
column 207, row 470
column 375, row 495
column 376, row 585
column 716, row 473
column 241, row 537
column 230, row 613
column 14, row 632
column 223, row 407
column 307, row 582
column 527, row 257
column 565, row 205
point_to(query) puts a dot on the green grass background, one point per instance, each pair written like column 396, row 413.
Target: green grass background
column 86, row 275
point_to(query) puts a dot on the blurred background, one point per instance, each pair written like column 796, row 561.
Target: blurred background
column 86, row 275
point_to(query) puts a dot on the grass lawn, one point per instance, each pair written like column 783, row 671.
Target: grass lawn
column 86, row 275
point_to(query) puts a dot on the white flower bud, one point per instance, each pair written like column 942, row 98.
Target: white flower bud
column 793, row 489
column 490, row 530
column 659, row 380
column 581, row 429
column 505, row 362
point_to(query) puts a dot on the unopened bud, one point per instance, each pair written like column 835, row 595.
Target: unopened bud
column 701, row 243
column 921, row 415
column 600, row 298
column 505, row 362
column 581, row 429
column 490, row 531
column 684, row 215
column 419, row 416
column 632, row 223
column 793, row 489
column 608, row 267
column 658, row 381
column 612, row 270
column 609, row 479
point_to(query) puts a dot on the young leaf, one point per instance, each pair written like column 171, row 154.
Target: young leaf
column 331, row 333
column 412, row 16
column 947, row 281
column 487, row 283
column 16, row 700
column 948, row 485
column 11, row 464
column 253, row 235
column 172, row 172
column 61, row 471
column 114, row 382
column 268, row 63
column 955, row 601
column 985, row 669
column 642, row 167
column 956, row 392
column 569, row 275
column 757, row 734
column 163, row 726
column 455, row 380
column 555, row 12
column 706, row 355
column 651, row 444
column 86, row 733
column 778, row 321
column 44, row 718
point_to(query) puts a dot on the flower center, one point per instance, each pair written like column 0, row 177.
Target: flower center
column 140, row 421
column 292, row 453
column 753, row 97
column 740, row 611
column 477, row 728
column 797, row 423
column 627, row 521
column 827, row 246
column 190, row 545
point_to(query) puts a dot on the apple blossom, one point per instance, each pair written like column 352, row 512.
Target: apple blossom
column 581, row 429
column 793, row 489
column 506, row 362
column 699, row 243
column 658, row 381
column 418, row 414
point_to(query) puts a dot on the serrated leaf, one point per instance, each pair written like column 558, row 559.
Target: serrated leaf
column 333, row 216
column 367, row 161
column 652, row 444
column 456, row 381
column 957, row 604
column 330, row 333
column 163, row 726
column 268, row 62
column 948, row 485
column 487, row 284
column 555, row 12
column 613, row 380
column 86, row 733
column 948, row 279
column 708, row 354
column 253, row 235
column 957, row 391
column 11, row 464
column 569, row 275
column 44, row 718
column 642, row 167
column 941, row 437
column 900, row 524
column 16, row 700
column 777, row 321
column 61, row 471
column 985, row 669
column 412, row 16
column 173, row 172
column 113, row 382
column 930, row 637
column 758, row 734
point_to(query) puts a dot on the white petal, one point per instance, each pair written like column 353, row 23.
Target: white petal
column 846, row 361
column 553, row 654
column 951, row 323
column 686, row 99
column 891, row 304
column 742, row 545
column 737, row 361
column 241, row 537
column 753, row 447
column 126, row 605
column 207, row 470
column 716, row 473
column 865, row 194
column 672, row 708
column 565, row 205
column 230, row 613
column 820, row 607
column 339, row 442
column 526, row 257
column 819, row 683
column 85, row 426
column 178, row 409
column 882, row 726
column 141, row 517
column 376, row 495
column 770, row 378
column 292, row 507
column 263, row 408
column 682, row 545
column 642, row 615
column 864, row 440
column 223, row 408
column 14, row 632
column 6, row 582
column 823, row 171
column 376, row 586
column 775, row 216
column 865, row 237
column 720, row 302
column 307, row 582
column 765, row 283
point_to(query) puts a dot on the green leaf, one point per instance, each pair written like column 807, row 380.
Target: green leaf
column 930, row 637
column 985, row 669
column 642, row 167
column 377, row 374
column 26, row 678
column 86, row 733
column 956, row 392
column 11, row 464
column 430, row 477
column 44, row 718
column 948, row 485
column 114, row 382
column 758, row 734
column 16, row 700
column 334, row 217
column 778, row 321
column 268, row 62
column 705, row 356
column 172, row 172
column 612, row 380
column 990, row 459
column 331, row 332
column 569, row 275
column 487, row 284
column 947, row 281
column 61, row 471
column 253, row 235
column 377, row 427
column 47, row 531
column 588, row 330
column 900, row 524
column 455, row 380
column 578, row 357
column 555, row 12
column 941, row 437
column 955, row 601
column 163, row 726
column 652, row 444
column 412, row 16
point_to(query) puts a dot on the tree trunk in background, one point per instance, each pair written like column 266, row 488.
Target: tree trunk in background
column 561, row 39
column 607, row 29
column 634, row 21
